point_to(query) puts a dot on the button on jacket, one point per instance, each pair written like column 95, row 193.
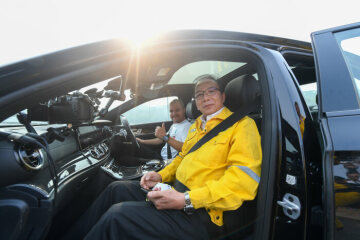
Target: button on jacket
column 222, row 173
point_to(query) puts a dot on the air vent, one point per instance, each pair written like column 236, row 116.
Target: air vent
column 31, row 159
column 99, row 151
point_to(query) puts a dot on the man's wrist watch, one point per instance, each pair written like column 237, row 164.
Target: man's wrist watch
column 188, row 208
column 165, row 138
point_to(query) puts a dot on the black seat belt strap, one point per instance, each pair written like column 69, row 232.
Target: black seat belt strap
column 228, row 122
column 179, row 186
column 168, row 150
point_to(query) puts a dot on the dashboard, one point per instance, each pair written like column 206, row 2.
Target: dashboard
column 29, row 168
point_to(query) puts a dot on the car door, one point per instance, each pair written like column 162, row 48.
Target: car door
column 289, row 190
column 337, row 60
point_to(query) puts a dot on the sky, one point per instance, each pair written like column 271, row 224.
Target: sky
column 31, row 28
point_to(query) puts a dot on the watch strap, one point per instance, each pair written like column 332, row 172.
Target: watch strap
column 165, row 138
column 188, row 208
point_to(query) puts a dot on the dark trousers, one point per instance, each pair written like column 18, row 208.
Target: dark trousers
column 121, row 212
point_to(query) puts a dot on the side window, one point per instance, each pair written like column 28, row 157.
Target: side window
column 309, row 92
column 156, row 110
column 349, row 42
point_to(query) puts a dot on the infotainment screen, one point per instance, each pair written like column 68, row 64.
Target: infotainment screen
column 90, row 135
column 86, row 129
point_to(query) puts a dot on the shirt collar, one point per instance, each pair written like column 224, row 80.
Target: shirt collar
column 222, row 114
column 208, row 117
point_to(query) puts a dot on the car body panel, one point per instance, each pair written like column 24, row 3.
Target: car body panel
column 339, row 114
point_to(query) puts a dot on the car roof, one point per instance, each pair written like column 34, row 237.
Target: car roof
column 266, row 40
column 94, row 62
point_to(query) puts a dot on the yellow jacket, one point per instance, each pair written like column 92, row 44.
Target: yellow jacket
column 225, row 171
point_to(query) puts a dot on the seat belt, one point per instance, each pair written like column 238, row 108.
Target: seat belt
column 168, row 150
column 228, row 122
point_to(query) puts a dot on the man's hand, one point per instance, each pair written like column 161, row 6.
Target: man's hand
column 139, row 140
column 168, row 199
column 150, row 179
column 160, row 132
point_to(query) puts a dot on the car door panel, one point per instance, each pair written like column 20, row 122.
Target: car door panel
column 339, row 117
column 335, row 86
column 289, row 162
column 292, row 170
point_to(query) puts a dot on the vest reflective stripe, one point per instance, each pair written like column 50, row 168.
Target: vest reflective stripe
column 250, row 172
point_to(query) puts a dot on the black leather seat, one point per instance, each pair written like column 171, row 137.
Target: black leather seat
column 243, row 91
column 191, row 111
column 240, row 92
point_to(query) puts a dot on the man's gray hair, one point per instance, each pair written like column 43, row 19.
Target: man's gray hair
column 210, row 77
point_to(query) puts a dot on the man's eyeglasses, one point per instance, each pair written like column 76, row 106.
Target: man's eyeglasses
column 208, row 92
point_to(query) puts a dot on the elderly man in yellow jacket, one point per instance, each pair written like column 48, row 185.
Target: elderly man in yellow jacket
column 218, row 177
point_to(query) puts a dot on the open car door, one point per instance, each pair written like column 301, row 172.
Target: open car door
column 337, row 60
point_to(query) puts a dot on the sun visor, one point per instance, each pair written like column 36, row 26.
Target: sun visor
column 159, row 74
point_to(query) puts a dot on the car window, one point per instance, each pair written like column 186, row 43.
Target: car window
column 156, row 110
column 349, row 42
column 309, row 92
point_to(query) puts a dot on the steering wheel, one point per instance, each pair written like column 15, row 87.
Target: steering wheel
column 130, row 133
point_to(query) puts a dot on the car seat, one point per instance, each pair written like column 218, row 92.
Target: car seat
column 240, row 92
column 191, row 111
column 243, row 91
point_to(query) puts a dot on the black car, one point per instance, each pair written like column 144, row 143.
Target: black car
column 70, row 121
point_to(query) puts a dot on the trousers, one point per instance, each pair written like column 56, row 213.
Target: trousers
column 121, row 212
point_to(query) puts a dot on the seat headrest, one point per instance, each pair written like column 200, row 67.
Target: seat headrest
column 191, row 110
column 242, row 91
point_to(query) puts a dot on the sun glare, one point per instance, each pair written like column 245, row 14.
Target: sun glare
column 137, row 38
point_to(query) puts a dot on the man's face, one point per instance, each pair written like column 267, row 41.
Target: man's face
column 177, row 112
column 210, row 98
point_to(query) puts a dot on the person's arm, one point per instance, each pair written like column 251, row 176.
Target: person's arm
column 154, row 141
column 160, row 132
column 241, row 179
column 177, row 145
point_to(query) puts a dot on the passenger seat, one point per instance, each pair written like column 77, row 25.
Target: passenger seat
column 191, row 111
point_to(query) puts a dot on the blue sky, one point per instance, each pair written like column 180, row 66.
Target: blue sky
column 31, row 28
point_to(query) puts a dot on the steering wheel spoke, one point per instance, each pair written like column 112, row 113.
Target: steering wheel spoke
column 129, row 132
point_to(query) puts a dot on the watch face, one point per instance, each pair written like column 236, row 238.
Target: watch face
column 189, row 209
